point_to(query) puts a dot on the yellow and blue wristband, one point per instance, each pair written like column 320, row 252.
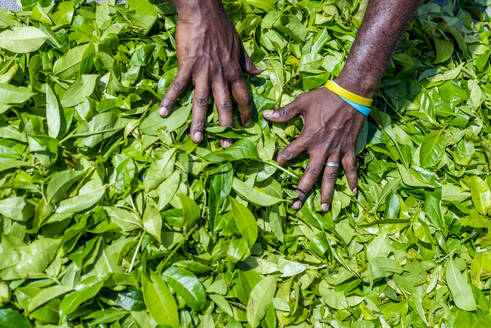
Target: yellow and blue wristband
column 359, row 103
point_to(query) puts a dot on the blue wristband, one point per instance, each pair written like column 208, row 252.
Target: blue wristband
column 362, row 109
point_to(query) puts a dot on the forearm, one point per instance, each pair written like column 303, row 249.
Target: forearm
column 382, row 26
column 189, row 8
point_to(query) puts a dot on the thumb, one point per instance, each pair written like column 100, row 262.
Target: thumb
column 247, row 65
column 283, row 114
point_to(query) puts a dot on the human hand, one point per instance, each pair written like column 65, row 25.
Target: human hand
column 211, row 57
column 330, row 131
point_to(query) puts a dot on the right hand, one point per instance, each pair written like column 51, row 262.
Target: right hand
column 211, row 56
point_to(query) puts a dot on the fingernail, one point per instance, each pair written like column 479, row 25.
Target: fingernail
column 267, row 112
column 355, row 191
column 249, row 123
column 226, row 143
column 325, row 207
column 163, row 111
column 198, row 136
column 297, row 205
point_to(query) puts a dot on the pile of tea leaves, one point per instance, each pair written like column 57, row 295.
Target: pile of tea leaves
column 110, row 216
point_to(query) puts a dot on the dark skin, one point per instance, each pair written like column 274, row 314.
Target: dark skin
column 210, row 54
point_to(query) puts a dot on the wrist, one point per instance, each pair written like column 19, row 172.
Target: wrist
column 360, row 83
column 196, row 8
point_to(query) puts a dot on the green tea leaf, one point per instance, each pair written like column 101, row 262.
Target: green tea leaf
column 145, row 13
column 253, row 195
column 433, row 211
column 481, row 195
column 152, row 222
column 432, row 149
column 380, row 267
column 260, row 299
column 13, row 207
column 22, row 39
column 46, row 295
column 153, row 122
column 69, row 64
column 83, row 291
column 444, row 50
column 53, row 114
column 23, row 261
column 190, row 211
column 81, row 202
column 64, row 13
column 480, row 268
column 10, row 94
column 222, row 303
column 167, row 189
column 160, row 302
column 220, row 188
column 10, row 318
column 79, row 90
column 245, row 221
column 99, row 128
column 126, row 220
column 242, row 149
column 187, row 286
column 60, row 183
column 459, row 287
column 159, row 170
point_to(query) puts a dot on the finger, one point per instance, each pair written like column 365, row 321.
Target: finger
column 295, row 148
column 328, row 181
column 226, row 142
column 247, row 65
column 221, row 94
column 349, row 165
column 283, row 114
column 310, row 176
column 200, row 107
column 175, row 89
column 244, row 101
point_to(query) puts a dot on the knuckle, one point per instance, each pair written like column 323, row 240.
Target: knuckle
column 198, row 125
column 246, row 99
column 309, row 135
column 221, row 67
column 326, row 197
column 312, row 171
column 336, row 129
column 202, row 101
column 331, row 176
column 234, row 78
column 349, row 165
column 285, row 155
column 281, row 112
column 301, row 193
column 335, row 146
column 176, row 85
column 327, row 142
column 233, row 74
column 227, row 106
column 301, row 99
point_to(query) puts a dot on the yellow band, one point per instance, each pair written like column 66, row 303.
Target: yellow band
column 348, row 95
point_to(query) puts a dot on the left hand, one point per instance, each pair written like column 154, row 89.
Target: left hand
column 330, row 131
